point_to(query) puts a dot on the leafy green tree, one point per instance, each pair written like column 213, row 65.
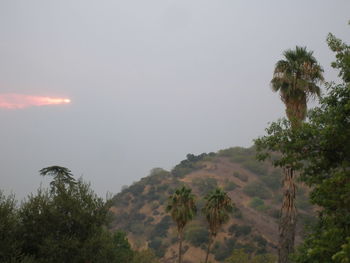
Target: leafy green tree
column 182, row 208
column 342, row 55
column 9, row 241
column 296, row 78
column 319, row 149
column 66, row 223
column 216, row 210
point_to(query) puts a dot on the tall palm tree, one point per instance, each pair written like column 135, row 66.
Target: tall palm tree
column 217, row 208
column 182, row 208
column 296, row 78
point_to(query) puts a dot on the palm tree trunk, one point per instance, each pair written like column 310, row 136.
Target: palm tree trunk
column 287, row 222
column 208, row 249
column 180, row 245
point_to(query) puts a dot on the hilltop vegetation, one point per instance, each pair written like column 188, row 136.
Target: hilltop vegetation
column 253, row 186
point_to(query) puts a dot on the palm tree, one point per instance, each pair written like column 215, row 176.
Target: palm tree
column 296, row 78
column 216, row 210
column 182, row 208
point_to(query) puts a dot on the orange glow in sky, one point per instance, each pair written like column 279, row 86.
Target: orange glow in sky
column 20, row 101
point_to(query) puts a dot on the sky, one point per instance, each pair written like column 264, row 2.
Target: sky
column 148, row 81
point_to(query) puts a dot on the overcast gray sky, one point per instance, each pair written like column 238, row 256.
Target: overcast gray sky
column 150, row 81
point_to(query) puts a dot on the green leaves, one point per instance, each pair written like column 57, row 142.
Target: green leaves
column 217, row 208
column 181, row 206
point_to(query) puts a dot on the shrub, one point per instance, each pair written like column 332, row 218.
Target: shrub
column 242, row 177
column 205, row 185
column 273, row 180
column 257, row 189
column 256, row 202
column 255, row 167
column 258, row 205
column 188, row 165
column 230, row 186
column 197, row 235
column 238, row 230
column 237, row 213
column 161, row 229
column 238, row 154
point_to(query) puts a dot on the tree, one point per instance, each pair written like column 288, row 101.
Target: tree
column 217, row 208
column 9, row 241
column 296, row 78
column 182, row 208
column 320, row 150
column 66, row 223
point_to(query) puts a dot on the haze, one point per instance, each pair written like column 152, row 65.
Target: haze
column 149, row 81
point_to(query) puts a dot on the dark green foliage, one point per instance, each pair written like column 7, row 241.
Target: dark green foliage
column 136, row 227
column 257, row 189
column 255, row 167
column 221, row 251
column 238, row 154
column 258, row 204
column 136, row 188
column 241, row 256
column 122, row 247
column 237, row 213
column 320, row 150
column 9, row 236
column 67, row 224
column 157, row 246
column 189, row 165
column 145, row 256
column 205, row 185
column 273, row 180
column 261, row 242
column 240, row 176
column 342, row 55
column 161, row 229
column 230, row 186
column 275, row 213
column 197, row 235
column 239, row 230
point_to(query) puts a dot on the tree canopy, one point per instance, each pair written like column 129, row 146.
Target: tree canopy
column 320, row 151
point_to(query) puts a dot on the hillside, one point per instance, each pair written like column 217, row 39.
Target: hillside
column 253, row 186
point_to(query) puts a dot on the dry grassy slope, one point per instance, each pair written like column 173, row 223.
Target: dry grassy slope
column 140, row 209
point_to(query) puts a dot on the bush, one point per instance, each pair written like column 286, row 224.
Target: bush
column 237, row 213
column 205, row 185
column 238, row 230
column 161, row 229
column 257, row 189
column 273, row 180
column 230, row 186
column 197, row 235
column 258, row 204
column 238, row 154
column 255, row 167
column 240, row 176
column 188, row 165
column 157, row 246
